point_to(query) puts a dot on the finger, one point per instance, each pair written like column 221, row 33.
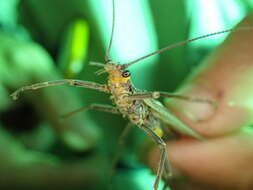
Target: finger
column 221, row 163
column 226, row 78
column 225, row 162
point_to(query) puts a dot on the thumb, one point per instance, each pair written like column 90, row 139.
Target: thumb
column 225, row 77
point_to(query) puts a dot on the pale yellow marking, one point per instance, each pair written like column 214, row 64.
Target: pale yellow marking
column 119, row 79
column 158, row 132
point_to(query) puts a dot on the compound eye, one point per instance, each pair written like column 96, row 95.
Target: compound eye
column 126, row 73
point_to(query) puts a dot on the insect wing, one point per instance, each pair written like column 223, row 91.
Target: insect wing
column 163, row 113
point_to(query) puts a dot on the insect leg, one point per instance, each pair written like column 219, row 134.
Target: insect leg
column 167, row 174
column 164, row 154
column 167, row 117
column 99, row 107
column 157, row 95
column 121, row 143
column 186, row 98
column 71, row 82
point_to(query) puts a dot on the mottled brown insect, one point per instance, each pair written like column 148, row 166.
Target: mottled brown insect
column 139, row 106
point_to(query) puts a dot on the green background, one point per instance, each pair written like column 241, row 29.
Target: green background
column 54, row 39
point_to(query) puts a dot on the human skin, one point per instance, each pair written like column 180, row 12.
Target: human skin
column 224, row 159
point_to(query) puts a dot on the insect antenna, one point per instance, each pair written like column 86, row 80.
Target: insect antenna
column 107, row 53
column 100, row 71
column 186, row 42
column 97, row 64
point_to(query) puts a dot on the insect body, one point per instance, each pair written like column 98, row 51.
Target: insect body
column 122, row 90
column 141, row 111
column 138, row 106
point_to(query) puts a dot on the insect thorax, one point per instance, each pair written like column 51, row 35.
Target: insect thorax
column 119, row 85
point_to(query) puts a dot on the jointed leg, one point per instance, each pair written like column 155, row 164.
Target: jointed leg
column 99, row 107
column 157, row 95
column 167, row 173
column 163, row 157
column 71, row 82
column 121, row 143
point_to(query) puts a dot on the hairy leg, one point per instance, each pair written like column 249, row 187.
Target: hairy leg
column 157, row 95
column 120, row 146
column 70, row 82
column 98, row 107
column 162, row 145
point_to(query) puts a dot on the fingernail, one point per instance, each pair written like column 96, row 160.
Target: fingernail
column 195, row 111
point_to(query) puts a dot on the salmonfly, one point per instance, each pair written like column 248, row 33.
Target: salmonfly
column 140, row 107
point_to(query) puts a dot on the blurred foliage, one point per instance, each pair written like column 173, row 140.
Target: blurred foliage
column 42, row 40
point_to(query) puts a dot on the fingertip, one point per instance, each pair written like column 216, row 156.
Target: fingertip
column 210, row 120
column 224, row 77
column 195, row 111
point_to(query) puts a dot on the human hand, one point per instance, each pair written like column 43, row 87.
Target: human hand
column 224, row 159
